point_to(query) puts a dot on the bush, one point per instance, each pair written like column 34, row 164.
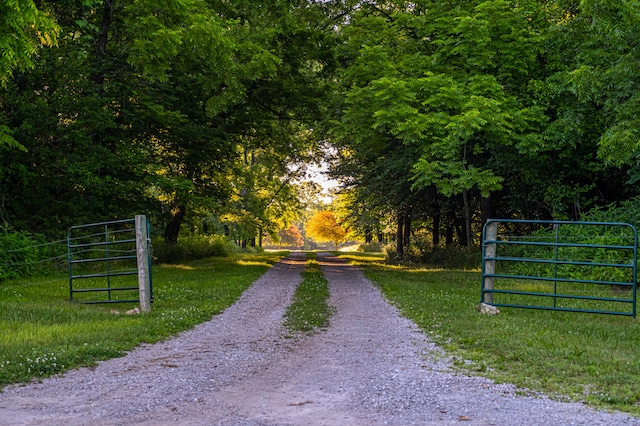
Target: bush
column 454, row 257
column 626, row 211
column 371, row 248
column 421, row 251
column 415, row 252
column 168, row 253
column 193, row 247
column 581, row 243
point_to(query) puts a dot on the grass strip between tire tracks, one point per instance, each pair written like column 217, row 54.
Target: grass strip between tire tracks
column 309, row 310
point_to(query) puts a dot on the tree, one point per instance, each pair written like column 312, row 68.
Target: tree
column 460, row 97
column 23, row 30
column 323, row 227
column 71, row 112
column 604, row 76
column 291, row 237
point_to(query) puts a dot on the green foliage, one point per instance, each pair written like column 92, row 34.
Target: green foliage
column 627, row 211
column 420, row 251
column 598, row 235
column 599, row 263
column 192, row 248
column 23, row 30
column 43, row 333
column 611, row 66
column 456, row 96
column 371, row 248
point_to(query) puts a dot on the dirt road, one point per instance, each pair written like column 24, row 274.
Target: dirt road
column 370, row 367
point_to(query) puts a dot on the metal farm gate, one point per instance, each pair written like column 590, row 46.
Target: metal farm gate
column 560, row 265
column 110, row 262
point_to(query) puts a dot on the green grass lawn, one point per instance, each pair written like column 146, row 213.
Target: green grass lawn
column 42, row 333
column 575, row 356
column 586, row 357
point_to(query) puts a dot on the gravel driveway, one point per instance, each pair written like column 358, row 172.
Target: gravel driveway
column 370, row 367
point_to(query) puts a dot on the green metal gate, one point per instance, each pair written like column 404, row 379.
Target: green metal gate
column 559, row 265
column 104, row 263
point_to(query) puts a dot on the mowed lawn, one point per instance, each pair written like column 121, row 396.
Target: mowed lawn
column 43, row 333
column 570, row 356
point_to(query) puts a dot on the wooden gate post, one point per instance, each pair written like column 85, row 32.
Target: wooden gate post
column 489, row 251
column 144, row 275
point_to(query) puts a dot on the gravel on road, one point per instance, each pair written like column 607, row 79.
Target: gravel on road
column 369, row 367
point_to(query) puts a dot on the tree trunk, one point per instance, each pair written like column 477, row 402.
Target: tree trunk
column 102, row 39
column 407, row 227
column 486, row 209
column 467, row 219
column 173, row 228
column 400, row 236
column 448, row 233
column 435, row 232
column 368, row 236
column 460, row 233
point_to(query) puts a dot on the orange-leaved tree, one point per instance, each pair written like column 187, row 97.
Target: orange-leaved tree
column 291, row 237
column 324, row 227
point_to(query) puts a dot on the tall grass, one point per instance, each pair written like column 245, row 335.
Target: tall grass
column 570, row 356
column 42, row 333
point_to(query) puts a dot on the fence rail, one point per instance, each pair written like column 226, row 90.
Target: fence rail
column 559, row 265
column 116, row 264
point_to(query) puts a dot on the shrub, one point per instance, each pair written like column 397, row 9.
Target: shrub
column 193, row 247
column 454, row 257
column 415, row 252
column 586, row 243
column 371, row 248
column 168, row 253
column 422, row 252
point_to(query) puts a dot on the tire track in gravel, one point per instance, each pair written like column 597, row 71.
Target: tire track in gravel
column 154, row 383
column 369, row 367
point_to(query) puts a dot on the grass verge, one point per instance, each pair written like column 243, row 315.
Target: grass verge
column 42, row 333
column 569, row 356
column 309, row 310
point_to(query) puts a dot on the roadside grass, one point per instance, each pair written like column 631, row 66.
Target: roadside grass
column 309, row 310
column 568, row 356
column 42, row 333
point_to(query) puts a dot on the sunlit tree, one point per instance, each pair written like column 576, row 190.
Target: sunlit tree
column 323, row 227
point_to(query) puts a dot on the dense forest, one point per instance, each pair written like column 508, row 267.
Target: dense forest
column 205, row 114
